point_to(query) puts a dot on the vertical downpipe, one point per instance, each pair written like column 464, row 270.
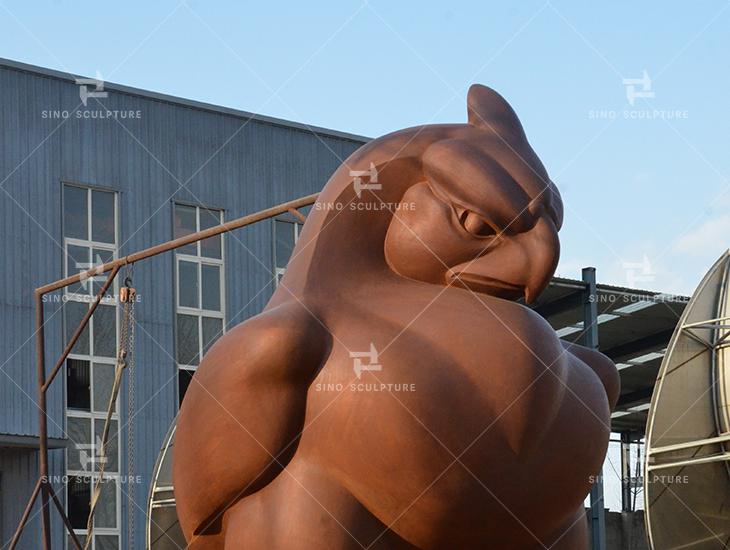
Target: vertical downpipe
column 590, row 340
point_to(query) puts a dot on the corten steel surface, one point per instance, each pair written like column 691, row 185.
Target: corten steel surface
column 43, row 488
column 494, row 444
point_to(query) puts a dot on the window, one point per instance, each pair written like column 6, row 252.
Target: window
column 90, row 239
column 200, row 298
column 286, row 235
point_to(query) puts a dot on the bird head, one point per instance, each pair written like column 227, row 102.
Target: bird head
column 475, row 209
column 486, row 216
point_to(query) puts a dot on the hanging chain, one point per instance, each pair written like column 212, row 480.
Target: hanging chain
column 125, row 358
column 129, row 307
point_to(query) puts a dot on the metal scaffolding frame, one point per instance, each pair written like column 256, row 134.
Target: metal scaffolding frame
column 43, row 487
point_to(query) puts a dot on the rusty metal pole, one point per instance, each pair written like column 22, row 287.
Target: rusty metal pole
column 65, row 519
column 80, row 329
column 297, row 214
column 43, row 420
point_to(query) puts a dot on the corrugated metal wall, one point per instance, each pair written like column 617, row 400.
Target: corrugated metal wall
column 173, row 152
column 19, row 475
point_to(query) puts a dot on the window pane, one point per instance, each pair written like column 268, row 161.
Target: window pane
column 79, row 502
column 105, row 513
column 212, row 330
column 101, row 257
column 82, row 540
column 80, row 454
column 188, row 284
column 210, row 247
column 187, row 340
column 74, row 312
column 284, row 242
column 77, row 261
column 78, row 385
column 185, row 225
column 106, row 542
column 105, row 331
column 102, row 216
column 112, row 446
column 184, row 378
column 75, row 212
column 211, row 276
column 103, row 383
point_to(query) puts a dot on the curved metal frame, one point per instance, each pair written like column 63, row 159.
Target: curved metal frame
column 164, row 491
column 719, row 328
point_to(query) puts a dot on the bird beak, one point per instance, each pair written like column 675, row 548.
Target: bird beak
column 519, row 265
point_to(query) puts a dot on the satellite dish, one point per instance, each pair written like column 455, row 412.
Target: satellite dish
column 163, row 526
column 686, row 470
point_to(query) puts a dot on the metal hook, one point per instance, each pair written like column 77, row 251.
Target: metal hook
column 128, row 275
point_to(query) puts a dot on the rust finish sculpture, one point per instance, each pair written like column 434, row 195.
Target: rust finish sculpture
column 393, row 395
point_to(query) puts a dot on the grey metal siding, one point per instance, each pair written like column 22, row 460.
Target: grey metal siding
column 20, row 472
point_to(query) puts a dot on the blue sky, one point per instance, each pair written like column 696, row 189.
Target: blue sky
column 633, row 187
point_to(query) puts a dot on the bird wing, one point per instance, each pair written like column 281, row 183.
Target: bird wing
column 602, row 366
column 243, row 413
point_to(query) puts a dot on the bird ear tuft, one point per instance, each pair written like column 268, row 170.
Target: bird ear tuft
column 489, row 110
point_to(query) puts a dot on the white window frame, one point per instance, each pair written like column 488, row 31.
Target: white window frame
column 279, row 271
column 86, row 298
column 199, row 312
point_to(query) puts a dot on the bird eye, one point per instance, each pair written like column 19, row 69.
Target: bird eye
column 476, row 225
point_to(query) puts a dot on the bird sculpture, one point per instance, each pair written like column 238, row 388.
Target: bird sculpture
column 394, row 394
